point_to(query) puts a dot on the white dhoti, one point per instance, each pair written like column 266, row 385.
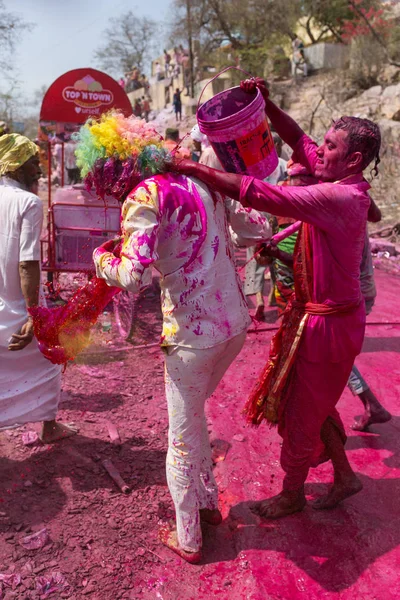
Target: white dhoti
column 29, row 383
column 191, row 376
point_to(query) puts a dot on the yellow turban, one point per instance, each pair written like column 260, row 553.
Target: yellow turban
column 15, row 150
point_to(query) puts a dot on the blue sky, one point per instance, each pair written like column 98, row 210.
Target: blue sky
column 67, row 33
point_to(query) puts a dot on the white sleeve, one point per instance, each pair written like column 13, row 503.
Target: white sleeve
column 247, row 226
column 140, row 225
column 31, row 229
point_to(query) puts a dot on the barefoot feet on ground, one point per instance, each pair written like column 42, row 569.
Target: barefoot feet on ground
column 259, row 314
column 338, row 492
column 168, row 536
column 210, row 516
column 282, row 505
column 52, row 431
column 370, row 417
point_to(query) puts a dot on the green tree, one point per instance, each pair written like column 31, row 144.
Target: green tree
column 129, row 41
column 330, row 17
column 250, row 28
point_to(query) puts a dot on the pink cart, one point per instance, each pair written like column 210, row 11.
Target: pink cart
column 78, row 221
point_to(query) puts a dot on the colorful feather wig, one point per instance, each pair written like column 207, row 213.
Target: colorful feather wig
column 115, row 153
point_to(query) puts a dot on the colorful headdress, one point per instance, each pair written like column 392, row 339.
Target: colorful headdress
column 15, row 150
column 115, row 153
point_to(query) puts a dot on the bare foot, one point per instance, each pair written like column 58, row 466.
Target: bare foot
column 370, row 417
column 52, row 431
column 338, row 493
column 210, row 516
column 282, row 505
column 169, row 538
column 259, row 314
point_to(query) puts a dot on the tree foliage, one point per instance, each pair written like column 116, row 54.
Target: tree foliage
column 247, row 29
column 11, row 28
column 247, row 24
column 242, row 23
column 324, row 19
column 129, row 42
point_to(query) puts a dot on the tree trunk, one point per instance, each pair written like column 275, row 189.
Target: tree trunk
column 308, row 29
column 190, row 42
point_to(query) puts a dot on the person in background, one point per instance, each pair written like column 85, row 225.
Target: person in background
column 177, row 104
column 178, row 61
column 70, row 163
column 30, row 385
column 256, row 268
column 374, row 412
column 167, row 62
column 135, row 79
column 144, row 83
column 299, row 61
column 185, row 61
column 158, row 70
column 200, row 143
column 121, row 82
column 137, row 108
column 171, row 142
column 146, row 108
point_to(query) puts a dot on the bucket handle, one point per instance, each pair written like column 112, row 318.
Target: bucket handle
column 215, row 77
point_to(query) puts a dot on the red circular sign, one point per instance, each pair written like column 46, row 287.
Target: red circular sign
column 83, row 93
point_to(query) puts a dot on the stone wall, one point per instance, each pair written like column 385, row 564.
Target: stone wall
column 327, row 56
column 161, row 92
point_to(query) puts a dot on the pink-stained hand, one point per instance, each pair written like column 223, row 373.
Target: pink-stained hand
column 250, row 86
column 270, row 249
column 113, row 246
column 183, row 166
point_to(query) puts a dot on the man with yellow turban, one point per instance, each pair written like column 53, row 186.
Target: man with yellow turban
column 29, row 389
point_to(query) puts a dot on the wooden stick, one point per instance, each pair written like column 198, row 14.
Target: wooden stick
column 114, row 474
column 113, row 433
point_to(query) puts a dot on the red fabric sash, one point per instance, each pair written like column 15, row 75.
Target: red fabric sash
column 265, row 400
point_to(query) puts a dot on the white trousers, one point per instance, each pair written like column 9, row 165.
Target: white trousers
column 191, row 376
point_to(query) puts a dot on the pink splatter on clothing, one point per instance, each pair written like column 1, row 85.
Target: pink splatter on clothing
column 172, row 223
column 337, row 213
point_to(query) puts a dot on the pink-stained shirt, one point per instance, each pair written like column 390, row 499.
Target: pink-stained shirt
column 337, row 213
column 172, row 223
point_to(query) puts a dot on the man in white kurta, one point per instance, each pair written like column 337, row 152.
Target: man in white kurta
column 174, row 224
column 29, row 383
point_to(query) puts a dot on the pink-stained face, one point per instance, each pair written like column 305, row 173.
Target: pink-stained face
column 333, row 162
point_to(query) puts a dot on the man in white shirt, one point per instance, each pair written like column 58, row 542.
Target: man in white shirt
column 174, row 224
column 29, row 388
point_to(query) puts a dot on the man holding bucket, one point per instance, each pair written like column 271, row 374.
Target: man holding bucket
column 322, row 330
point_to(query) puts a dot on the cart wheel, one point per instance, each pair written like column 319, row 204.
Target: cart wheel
column 124, row 309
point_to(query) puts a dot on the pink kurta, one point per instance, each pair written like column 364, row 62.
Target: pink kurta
column 337, row 213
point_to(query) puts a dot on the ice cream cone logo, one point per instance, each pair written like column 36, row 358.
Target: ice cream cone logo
column 88, row 93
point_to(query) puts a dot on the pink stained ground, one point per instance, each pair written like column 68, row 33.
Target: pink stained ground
column 105, row 543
